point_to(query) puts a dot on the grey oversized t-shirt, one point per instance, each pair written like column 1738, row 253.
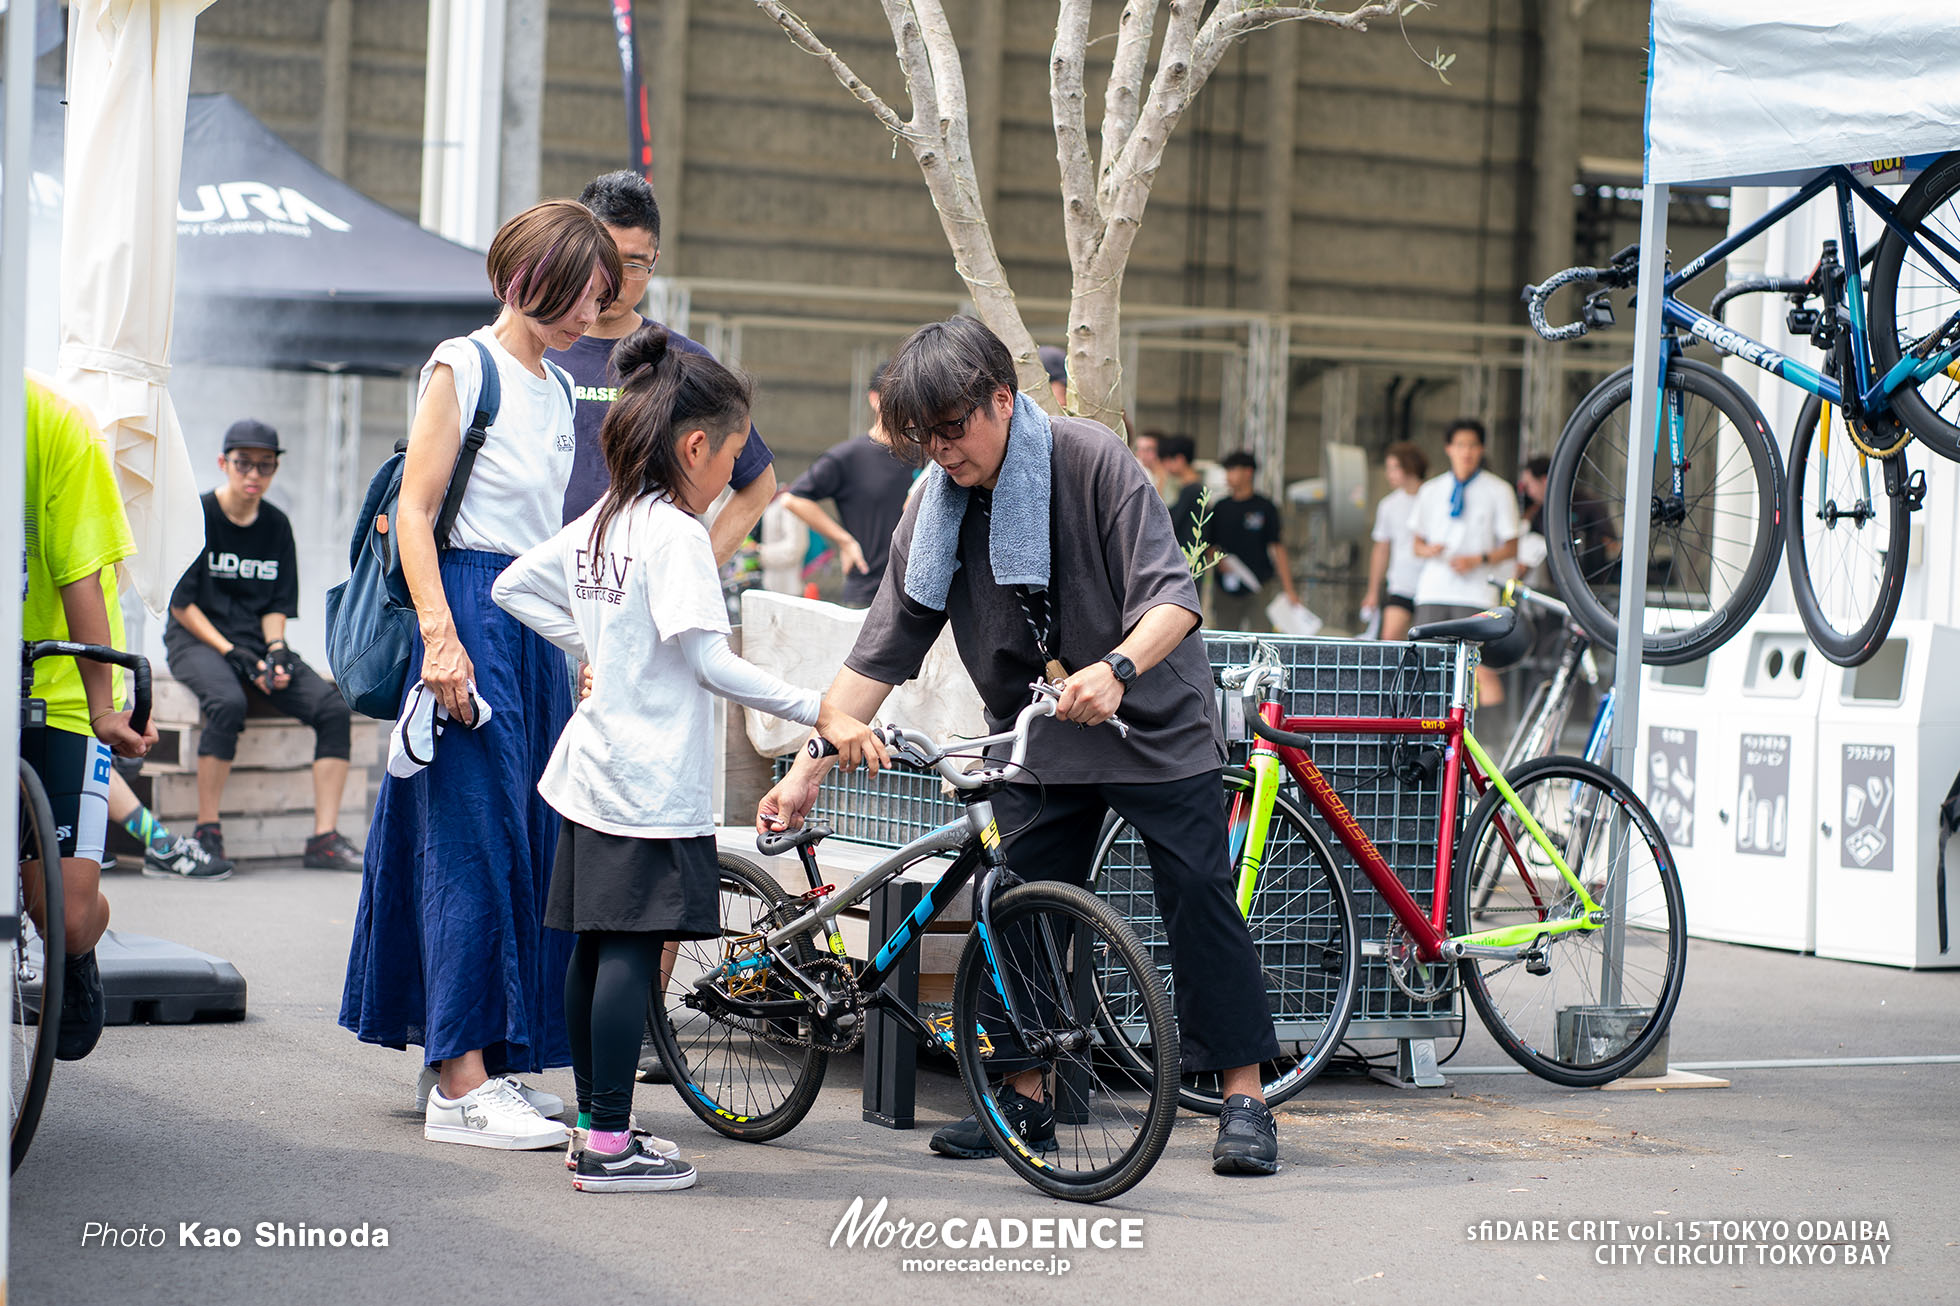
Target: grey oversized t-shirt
column 1115, row 559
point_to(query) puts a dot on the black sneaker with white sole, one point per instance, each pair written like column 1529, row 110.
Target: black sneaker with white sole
column 330, row 852
column 187, row 859
column 1033, row 1121
column 635, row 1170
column 1248, row 1138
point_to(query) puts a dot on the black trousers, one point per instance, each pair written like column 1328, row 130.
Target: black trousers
column 1223, row 1016
column 606, row 987
column 221, row 694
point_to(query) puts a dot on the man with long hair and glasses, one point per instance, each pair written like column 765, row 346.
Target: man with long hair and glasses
column 1044, row 544
column 227, row 631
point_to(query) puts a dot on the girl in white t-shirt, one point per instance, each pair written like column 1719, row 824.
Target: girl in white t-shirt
column 1393, row 569
column 631, row 589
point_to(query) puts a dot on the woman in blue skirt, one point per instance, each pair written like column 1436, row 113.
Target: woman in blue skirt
column 450, row 951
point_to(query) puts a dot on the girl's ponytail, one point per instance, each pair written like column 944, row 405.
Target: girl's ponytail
column 665, row 391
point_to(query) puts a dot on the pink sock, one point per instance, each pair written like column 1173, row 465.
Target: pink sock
column 609, row 1142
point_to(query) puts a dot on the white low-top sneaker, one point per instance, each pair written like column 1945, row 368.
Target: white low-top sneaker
column 545, row 1104
column 491, row 1115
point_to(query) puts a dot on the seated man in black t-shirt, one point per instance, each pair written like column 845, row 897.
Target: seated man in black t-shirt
column 227, row 632
column 868, row 484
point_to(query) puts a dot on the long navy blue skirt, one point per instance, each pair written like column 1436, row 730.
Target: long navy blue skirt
column 450, row 950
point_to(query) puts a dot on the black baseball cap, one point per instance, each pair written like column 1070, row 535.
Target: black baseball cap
column 250, row 433
column 1054, row 362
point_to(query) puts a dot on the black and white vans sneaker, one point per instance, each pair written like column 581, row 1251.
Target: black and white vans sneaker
column 636, row 1170
column 187, row 859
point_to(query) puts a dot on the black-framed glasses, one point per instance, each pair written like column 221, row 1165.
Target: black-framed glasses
column 951, row 432
column 260, row 466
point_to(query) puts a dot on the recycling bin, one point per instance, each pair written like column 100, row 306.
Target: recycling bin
column 1888, row 745
column 1753, row 878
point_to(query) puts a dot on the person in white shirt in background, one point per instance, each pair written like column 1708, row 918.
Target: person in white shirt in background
column 1466, row 530
column 630, row 588
column 1394, row 568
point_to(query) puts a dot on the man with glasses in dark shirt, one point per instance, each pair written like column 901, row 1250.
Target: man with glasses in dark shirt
column 625, row 203
column 227, row 631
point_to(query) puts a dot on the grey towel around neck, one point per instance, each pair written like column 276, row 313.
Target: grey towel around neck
column 1017, row 543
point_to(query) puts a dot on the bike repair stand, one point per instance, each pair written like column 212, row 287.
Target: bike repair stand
column 1415, row 1066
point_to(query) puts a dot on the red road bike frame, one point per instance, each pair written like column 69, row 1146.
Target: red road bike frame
column 1427, row 932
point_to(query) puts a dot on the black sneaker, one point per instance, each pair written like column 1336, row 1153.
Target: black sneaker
column 211, row 836
column 83, row 1009
column 1033, row 1121
column 1248, row 1140
column 636, row 1170
column 331, row 852
column 184, row 860
column 652, row 1069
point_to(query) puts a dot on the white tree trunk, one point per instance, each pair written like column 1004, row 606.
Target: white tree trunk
column 1102, row 202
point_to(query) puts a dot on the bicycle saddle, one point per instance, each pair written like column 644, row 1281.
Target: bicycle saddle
column 781, row 841
column 1489, row 628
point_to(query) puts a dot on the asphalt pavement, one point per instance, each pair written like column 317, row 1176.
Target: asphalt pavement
column 1827, row 1183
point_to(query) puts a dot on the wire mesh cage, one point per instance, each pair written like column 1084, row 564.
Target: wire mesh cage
column 1325, row 677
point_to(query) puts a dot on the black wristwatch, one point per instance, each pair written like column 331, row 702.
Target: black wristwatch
column 1126, row 670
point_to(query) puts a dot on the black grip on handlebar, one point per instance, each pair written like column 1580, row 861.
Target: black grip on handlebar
column 139, row 696
column 1273, row 735
column 820, row 747
column 135, row 663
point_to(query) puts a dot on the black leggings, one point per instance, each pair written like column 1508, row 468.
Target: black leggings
column 606, row 988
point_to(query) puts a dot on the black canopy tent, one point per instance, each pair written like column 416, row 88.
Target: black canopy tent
column 280, row 264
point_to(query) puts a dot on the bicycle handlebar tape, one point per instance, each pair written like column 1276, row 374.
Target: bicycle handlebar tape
column 1536, row 296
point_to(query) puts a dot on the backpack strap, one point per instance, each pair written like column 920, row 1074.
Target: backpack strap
column 489, row 397
column 564, row 380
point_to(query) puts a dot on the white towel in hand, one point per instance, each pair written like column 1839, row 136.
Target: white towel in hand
column 412, row 743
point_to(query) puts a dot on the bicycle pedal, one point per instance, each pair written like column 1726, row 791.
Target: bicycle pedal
column 1914, row 491
column 1537, row 963
column 942, row 1029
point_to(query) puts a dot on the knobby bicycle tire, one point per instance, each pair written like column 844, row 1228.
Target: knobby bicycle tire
column 1909, row 300
column 34, row 1044
column 1703, row 582
column 741, row 1085
column 1573, row 1022
column 1052, row 943
column 1302, row 925
column 1846, row 574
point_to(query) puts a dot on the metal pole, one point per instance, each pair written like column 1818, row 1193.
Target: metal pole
column 1641, row 443
column 16, row 180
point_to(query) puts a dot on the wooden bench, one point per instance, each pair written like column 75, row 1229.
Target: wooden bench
column 267, row 808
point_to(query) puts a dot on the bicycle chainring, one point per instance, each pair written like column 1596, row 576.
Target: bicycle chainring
column 1880, row 436
column 841, row 989
column 1421, row 981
